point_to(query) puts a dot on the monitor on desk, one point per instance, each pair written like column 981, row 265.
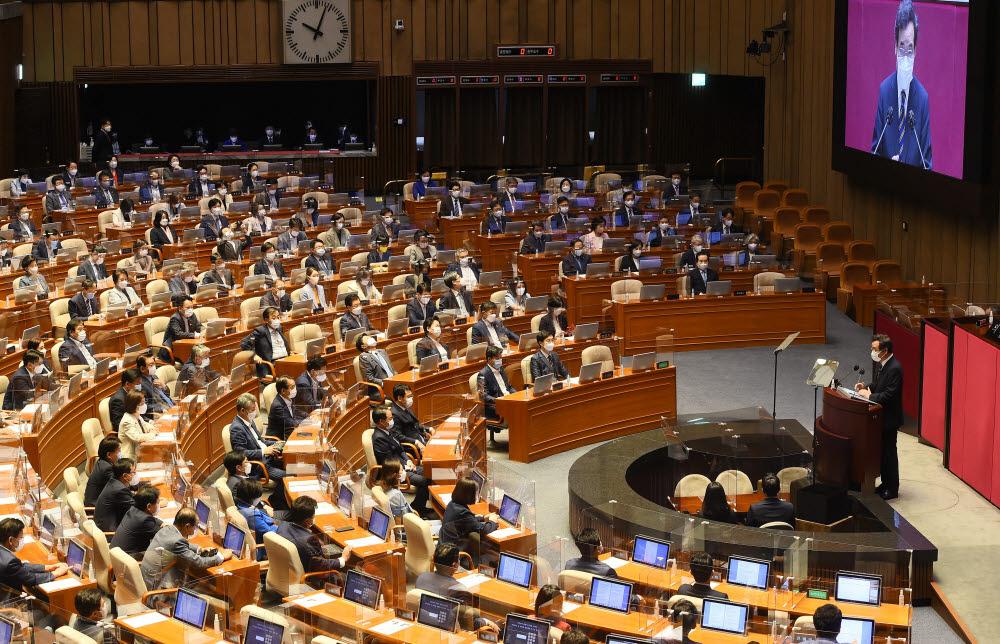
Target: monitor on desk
column 623, row 639
column 744, row 571
column 301, row 309
column 480, row 482
column 724, row 616
column 555, row 247
column 527, row 342
column 398, row 262
column 438, row 612
column 75, row 554
column 653, row 292
column 643, row 361
column 510, row 509
column 429, row 364
column 764, row 260
column 598, row 269
column 650, row 263
column 515, row 570
column 590, row 372
column 610, row 593
column 613, row 245
column 855, row 630
column 202, row 510
column 720, row 287
column 536, row 304
column 101, row 370
column 262, row 631
column 787, row 284
column 378, row 523
column 858, row 588
column 490, row 278
column 191, row 609
column 651, row 552
column 253, row 283
column 391, row 292
column 323, row 221
column 113, row 246
column 30, row 333
column 47, row 534
column 315, row 347
column 351, row 337
column 233, row 539
column 6, row 631
column 193, row 235
column 345, row 499
column 476, row 352
column 519, row 629
column 542, row 384
column 75, row 384
column 515, row 227
column 362, row 589
column 584, row 332
column 160, row 301
column 397, row 328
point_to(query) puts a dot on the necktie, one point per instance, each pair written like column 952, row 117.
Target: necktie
column 455, row 208
column 385, row 365
column 187, row 329
column 90, row 311
column 902, row 121
column 62, row 198
column 704, row 278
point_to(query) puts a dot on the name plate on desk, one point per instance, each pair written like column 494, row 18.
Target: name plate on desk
column 607, row 374
column 459, row 321
column 606, row 335
column 670, row 271
column 365, row 302
column 808, row 289
column 556, row 386
column 738, row 293
column 728, row 268
column 673, row 296
column 994, row 331
column 442, row 366
column 507, row 314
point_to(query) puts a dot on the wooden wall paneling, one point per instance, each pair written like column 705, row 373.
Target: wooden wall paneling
column 28, row 40
column 372, row 29
column 43, row 37
column 476, row 29
column 492, row 13
column 583, row 33
column 72, row 41
column 10, row 55
column 58, row 36
column 703, row 37
column 120, row 36
column 421, row 33
column 509, row 19
column 167, row 51
column 604, row 23
column 246, row 30
column 187, row 33
column 538, row 17
column 140, row 30
column 402, row 43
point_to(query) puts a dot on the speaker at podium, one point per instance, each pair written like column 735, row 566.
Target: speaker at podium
column 848, row 440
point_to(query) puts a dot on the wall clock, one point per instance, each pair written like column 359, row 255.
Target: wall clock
column 317, row 31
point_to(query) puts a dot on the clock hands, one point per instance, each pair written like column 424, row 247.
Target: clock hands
column 316, row 32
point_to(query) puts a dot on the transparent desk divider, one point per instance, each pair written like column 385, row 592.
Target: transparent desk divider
column 505, row 481
column 665, row 348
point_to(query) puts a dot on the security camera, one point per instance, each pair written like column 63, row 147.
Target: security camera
column 399, row 25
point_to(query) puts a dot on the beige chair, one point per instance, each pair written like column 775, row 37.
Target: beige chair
column 101, row 557
column 301, row 334
column 351, row 215
column 536, row 321
column 369, row 450
column 692, row 485
column 601, row 181
column 59, row 315
column 526, row 369
column 66, row 635
column 130, row 587
column 411, row 352
column 154, row 329
column 419, row 555
column 104, row 413
column 397, row 312
column 206, row 314
column 103, row 298
column 285, row 574
column 93, row 434
column 804, row 627
column 788, row 474
column 265, row 615
column 735, row 482
column 249, row 305
column 381, row 500
column 598, row 353
column 225, row 494
column 105, row 220
column 71, row 477
column 322, row 198
column 621, row 287
column 575, row 581
column 4, row 384
column 267, row 397
column 21, row 250
column 684, row 285
column 155, row 287
column 78, row 513
column 764, row 282
column 77, row 243
column 499, row 298
column 168, row 376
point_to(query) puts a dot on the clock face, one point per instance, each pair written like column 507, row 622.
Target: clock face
column 317, row 31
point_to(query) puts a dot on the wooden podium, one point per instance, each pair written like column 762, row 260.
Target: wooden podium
column 848, row 442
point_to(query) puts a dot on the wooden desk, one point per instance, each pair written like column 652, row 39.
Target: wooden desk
column 165, row 631
column 705, row 322
column 867, row 296
column 580, row 415
column 201, row 443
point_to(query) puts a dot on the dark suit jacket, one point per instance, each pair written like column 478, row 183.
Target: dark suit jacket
column 546, row 324
column 268, row 299
column 446, row 207
column 42, row 249
column 232, row 249
column 281, row 421
column 481, row 334
column 323, row 264
column 689, row 258
column 450, row 301
column 177, row 330
column 24, row 229
column 621, row 215
column 405, row 426
column 101, row 201
column 415, row 312
column 373, row 372
column 98, row 478
column 20, row 390
column 146, row 191
column 260, row 268
column 426, row 348
column 507, row 201
column 309, row 549
column 214, row 277
column 92, row 270
column 375, row 257
column 101, row 153
column 887, row 390
column 542, row 365
column 457, row 268
column 387, row 446
column 16, row 574
column 656, row 237
column 195, row 189
column 768, row 510
column 629, row 263
column 489, row 389
column 916, row 102
column 264, row 199
column 308, row 393
column 213, row 230
column 459, row 522
column 155, row 396
column 117, row 407
column 70, row 355
column 573, row 265
column 113, row 503
column 592, row 566
column 348, row 323
column 701, row 590
column 494, row 226
column 158, row 238
column 135, row 531
column 248, row 181
column 733, row 229
column 244, row 437
column 532, row 244
column 697, row 283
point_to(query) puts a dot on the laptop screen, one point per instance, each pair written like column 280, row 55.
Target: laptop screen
column 260, row 631
column 378, row 523
column 858, row 588
column 621, row 639
column 48, row 529
column 190, row 609
column 6, row 631
column 724, row 616
column 233, row 539
column 856, row 631
column 362, row 589
column 509, row 510
column 523, row 630
column 611, row 594
column 748, row 572
column 651, row 552
column 438, row 612
column 515, row 570
column 202, row 509
column 74, row 558
column 345, row 499
column 480, row 481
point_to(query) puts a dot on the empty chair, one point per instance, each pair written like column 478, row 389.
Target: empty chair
column 808, row 237
column 764, row 282
column 576, row 581
column 788, row 474
column 745, row 190
column 839, row 232
column 628, row 287
column 862, row 251
column 692, row 485
column 778, row 186
column 765, row 202
column 419, row 555
column 785, row 221
column 830, row 257
column 598, row 353
column 795, row 198
column 887, row 272
column 851, row 273
column 735, row 482
column 818, row 215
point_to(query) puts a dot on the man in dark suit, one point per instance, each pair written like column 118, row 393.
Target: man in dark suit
column 199, row 186
column 24, row 382
column 277, row 297
column 229, row 248
column 85, row 305
column 108, row 451
column 116, row 498
column 22, row 225
column 157, row 397
column 355, row 318
column 47, row 246
column 421, row 306
column 103, row 144
column 219, row 274
column 627, row 211
column 495, row 223
column 14, row 573
column 298, row 528
column 701, row 275
column 183, row 324
column 576, row 261
column 183, row 282
column 386, row 227
column 693, row 209
column 451, row 206
column 69, row 175
column 93, row 267
column 59, row 197
column 771, row 508
column 465, row 266
column 726, row 225
column 105, row 194
column 886, row 390
column 588, row 542
column 405, row 426
column 76, row 349
column 270, row 196
column 271, row 137
column 677, row 188
column 245, row 437
column 895, row 136
column 196, row 372
column 458, row 297
column 269, row 265
column 690, row 256
column 309, row 388
column 536, row 239
column 490, row 329
column 139, row 525
column 131, row 381
column 701, row 565
column 385, row 446
column 508, row 197
column 374, row 362
column 283, row 416
column 319, row 260
column 151, row 190
column 493, row 383
column 655, row 238
column 214, row 220
column 545, row 360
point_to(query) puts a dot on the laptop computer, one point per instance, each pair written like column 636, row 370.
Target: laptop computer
column 515, row 570
column 651, row 552
column 438, row 612
column 490, row 278
column 720, row 287
column 397, row 328
column 234, row 539
column 345, row 499
column 191, row 609
column 724, row 616
column 858, row 588
column 476, row 352
column 586, row 331
column 590, row 372
column 75, row 555
column 653, row 292
column 362, row 589
column 202, row 510
column 429, row 364
column 856, row 630
column 262, row 631
column 378, row 523
column 643, row 361
column 611, row 594
column 598, row 269
column 519, row 629
column 510, row 509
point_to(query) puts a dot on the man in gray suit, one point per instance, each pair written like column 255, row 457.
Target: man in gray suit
column 374, row 362
column 441, row 581
column 171, row 555
column 58, row 198
column 14, row 573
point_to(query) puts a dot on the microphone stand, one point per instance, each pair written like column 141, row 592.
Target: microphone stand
column 912, row 121
column 888, row 119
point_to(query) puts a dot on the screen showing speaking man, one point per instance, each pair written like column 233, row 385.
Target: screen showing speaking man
column 906, row 81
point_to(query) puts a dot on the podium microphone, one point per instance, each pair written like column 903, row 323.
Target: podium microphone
column 912, row 121
column 888, row 119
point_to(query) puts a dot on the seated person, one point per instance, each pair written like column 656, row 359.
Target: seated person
column 338, row 236
column 268, row 342
column 133, row 430
column 380, row 254
column 701, row 569
column 354, row 318
column 431, row 342
column 219, row 275
column 140, row 263
column 516, row 296
column 490, row 329
column 686, row 614
column 199, row 186
column 288, row 241
column 312, row 290
column 123, row 294
column 183, row 283
column 269, row 266
column 57, row 199
column 458, row 298
column 76, row 349
column 136, row 530
column 183, row 324
column 214, row 221
column 675, row 189
column 93, row 267
column 628, row 210
column 196, row 374
column 14, row 573
column 771, row 508
column 6, row 255
column 576, row 261
column 108, row 452
column 555, row 321
column 701, row 275
column 827, row 620
column 441, row 581
column 405, row 426
column 386, row 447
column 389, row 477
column 375, row 364
column 690, row 256
column 258, row 223
column 459, row 523
column 319, row 260
column 270, row 196
column 85, row 305
column 245, row 437
column 277, row 297
column 157, row 396
column 588, row 542
column 90, row 611
column 284, row 416
column 655, row 238
column 419, row 187
column 162, row 233
column 105, row 194
column 545, row 361
column 310, row 386
column 310, row 213
column 536, row 239
column 549, row 607
column 247, row 497
column 558, row 220
column 124, row 215
column 386, row 227
column 171, row 556
column 421, row 307
column 47, row 246
column 229, row 248
column 24, row 382
column 694, row 206
column 593, row 242
column 299, row 528
column 508, row 196
column 715, row 506
column 32, row 279
column 492, row 383
column 465, row 267
column 452, row 205
column 363, row 285
column 495, row 223
column 630, row 260
column 725, row 225
column 422, row 250
column 752, row 245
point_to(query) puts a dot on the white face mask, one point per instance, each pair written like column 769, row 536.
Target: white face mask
column 564, row 209
column 340, row 225
column 695, row 205
column 25, row 216
column 106, row 128
column 203, row 177
column 357, row 311
column 875, row 357
column 154, row 181
column 217, row 212
column 228, row 235
column 408, row 401
column 32, row 270
column 280, row 293
column 312, row 138
column 424, row 299
column 904, row 74
column 313, row 280
column 270, row 256
column 578, row 252
column 141, row 410
column 370, row 343
column 123, row 284
column 189, row 278
column 275, row 323
column 425, row 179
column 702, row 266
column 39, row 369
column 222, row 192
column 320, row 251
column 549, row 346
column 752, row 246
column 272, row 192
column 149, row 143
column 262, row 214
column 512, row 189
column 464, row 261
column 60, row 187
column 321, row 377
column 491, row 318
column 456, row 193
column 565, row 188
column 519, row 291
column 269, row 132
column 498, row 364
column 81, row 335
column 664, row 226
column 630, row 203
column 204, row 363
column 254, row 174
column 20, row 544
column 636, row 252
column 697, row 248
column 292, row 392
column 362, row 282
column 175, row 164
column 676, row 182
column 390, row 425
column 188, row 312
column 113, row 164
column 435, row 331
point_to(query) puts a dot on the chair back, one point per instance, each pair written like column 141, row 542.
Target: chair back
column 474, row 385
column 785, row 221
column 830, row 256
column 71, row 477
column 67, row 635
column 887, row 272
column 862, row 251
column 236, row 518
column 735, row 482
column 598, row 353
column 301, row 334
column 397, row 312
column 692, row 485
column 526, row 370
column 621, row 287
column 129, row 586
column 154, row 329
column 368, row 447
column 321, row 197
column 411, row 352
column 840, row 232
column 852, row 273
column 267, row 397
column 808, row 237
column 225, row 494
column 226, row 439
column 778, row 186
column 788, row 474
column 419, row 556
column 22, row 249
column 764, row 282
column 105, row 219
column 575, row 581
column 206, row 314
column 684, row 285
column 745, row 190
column 249, row 305
column 284, row 568
column 101, row 555
column 381, row 500
column 536, row 322
column 765, row 202
column 59, row 315
column 818, row 215
column 795, row 198
column 104, row 413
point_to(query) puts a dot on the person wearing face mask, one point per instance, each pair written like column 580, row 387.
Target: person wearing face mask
column 577, row 260
column 689, row 257
column 311, row 138
column 492, row 384
column 508, row 196
column 458, row 298
column 102, row 150
column 753, row 248
column 536, row 239
column 108, row 453
column 268, row 342
column 726, row 225
column 6, row 256
column 677, row 187
column 196, row 372
column 24, row 382
column 277, row 297
column 117, row 176
column 420, row 186
column 432, row 344
column 405, row 426
column 32, row 278
column 312, row 290
column 91, row 614
column 490, row 329
column 310, row 211
column 105, row 194
column 70, row 175
column 139, row 525
column 630, row 260
column 663, row 229
column 495, row 222
column 200, row 186
column 252, row 181
column 385, row 228
column 157, row 396
column 421, row 250
column 566, row 188
column 271, row 138
column 389, row 479
column 133, row 430
column 250, row 445
column 123, row 294
column 171, row 557
column 14, row 573
column 247, row 497
column 58, row 199
column 701, row 275
column 549, row 607
column 900, row 95
column 545, row 361
column 23, row 227
column 319, row 260
column 338, row 236
column 85, row 305
column 516, row 296
column 310, row 386
column 284, row 416
column 593, row 241
column 555, row 321
column 162, row 233
column 258, row 223
column 233, row 143
column 47, row 246
column 298, row 528
column 270, row 196
column 124, row 215
column 386, row 447
column 131, row 381
column 229, row 247
column 375, row 364
column 93, row 267
column 173, row 171
column 140, row 261
column 152, row 190
column 452, row 205
column 362, row 284
column 355, row 318
column 421, row 306
column 19, row 186
column 628, row 210
column 458, row 525
column 562, row 214
column 886, row 390
column 183, row 325
column 214, row 220
column 116, row 498
column 694, row 209
column 269, row 265
column 466, row 268
column 183, row 283
column 380, row 254
column 219, row 274
column 288, row 241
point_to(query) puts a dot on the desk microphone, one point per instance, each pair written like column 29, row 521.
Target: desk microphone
column 888, row 119
column 912, row 121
